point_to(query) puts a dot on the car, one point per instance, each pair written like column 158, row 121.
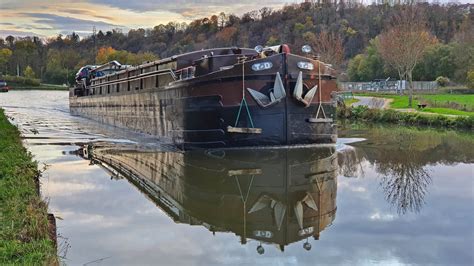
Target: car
column 3, row 86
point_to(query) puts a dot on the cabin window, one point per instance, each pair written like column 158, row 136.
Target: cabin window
column 118, row 87
column 100, row 92
column 141, row 84
column 108, row 89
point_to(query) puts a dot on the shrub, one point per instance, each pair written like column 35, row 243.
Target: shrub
column 358, row 112
column 442, row 81
column 21, row 80
column 29, row 73
column 470, row 79
column 362, row 113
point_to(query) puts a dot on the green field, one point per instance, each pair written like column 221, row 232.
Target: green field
column 446, row 111
column 466, row 101
column 448, row 104
column 398, row 101
column 24, row 227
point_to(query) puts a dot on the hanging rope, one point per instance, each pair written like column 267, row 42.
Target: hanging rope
column 243, row 102
column 244, row 201
column 320, row 106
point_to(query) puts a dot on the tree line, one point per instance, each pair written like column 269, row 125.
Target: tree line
column 344, row 33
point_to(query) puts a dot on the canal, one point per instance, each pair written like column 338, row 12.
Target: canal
column 382, row 195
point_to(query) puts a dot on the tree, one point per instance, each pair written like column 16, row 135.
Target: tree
column 29, row 73
column 272, row 41
column 367, row 66
column 10, row 39
column 354, row 66
column 227, row 35
column 104, row 54
column 463, row 50
column 438, row 60
column 5, row 55
column 404, row 42
column 328, row 46
column 223, row 18
column 470, row 79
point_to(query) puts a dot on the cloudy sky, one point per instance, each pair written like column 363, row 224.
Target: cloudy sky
column 48, row 18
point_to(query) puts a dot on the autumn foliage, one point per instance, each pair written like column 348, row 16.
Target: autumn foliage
column 107, row 54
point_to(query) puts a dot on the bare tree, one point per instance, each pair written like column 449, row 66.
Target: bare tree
column 327, row 45
column 405, row 185
column 403, row 43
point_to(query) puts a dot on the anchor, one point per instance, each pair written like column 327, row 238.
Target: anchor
column 308, row 201
column 276, row 94
column 279, row 209
column 298, row 92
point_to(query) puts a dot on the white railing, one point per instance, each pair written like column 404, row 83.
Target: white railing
column 395, row 85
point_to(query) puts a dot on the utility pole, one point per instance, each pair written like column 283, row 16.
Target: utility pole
column 95, row 44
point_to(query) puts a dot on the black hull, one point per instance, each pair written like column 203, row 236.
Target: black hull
column 201, row 122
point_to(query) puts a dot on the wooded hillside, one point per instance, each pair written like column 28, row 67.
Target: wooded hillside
column 338, row 32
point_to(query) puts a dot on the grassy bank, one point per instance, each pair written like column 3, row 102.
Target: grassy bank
column 24, row 227
column 363, row 113
column 445, row 104
column 348, row 102
column 20, row 86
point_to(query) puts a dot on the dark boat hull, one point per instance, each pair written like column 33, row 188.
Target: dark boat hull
column 197, row 113
column 224, row 190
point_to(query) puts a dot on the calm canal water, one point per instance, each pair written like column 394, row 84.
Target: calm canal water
column 382, row 195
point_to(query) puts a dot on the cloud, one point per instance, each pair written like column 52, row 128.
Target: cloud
column 19, row 33
column 86, row 12
column 198, row 7
column 34, row 27
column 62, row 23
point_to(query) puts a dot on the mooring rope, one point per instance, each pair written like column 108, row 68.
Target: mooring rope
column 244, row 201
column 320, row 106
column 243, row 98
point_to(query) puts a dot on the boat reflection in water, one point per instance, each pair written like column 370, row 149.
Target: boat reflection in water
column 274, row 196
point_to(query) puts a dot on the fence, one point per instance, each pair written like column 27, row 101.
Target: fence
column 388, row 86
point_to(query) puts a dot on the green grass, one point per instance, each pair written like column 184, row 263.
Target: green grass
column 24, row 227
column 348, row 102
column 465, row 101
column 446, row 111
column 399, row 101
column 444, row 104
column 363, row 113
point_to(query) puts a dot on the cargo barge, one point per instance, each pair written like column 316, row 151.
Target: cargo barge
column 223, row 97
column 275, row 197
